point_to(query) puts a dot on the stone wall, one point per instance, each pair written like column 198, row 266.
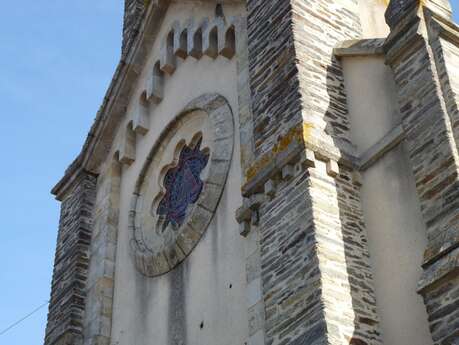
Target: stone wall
column 133, row 14
column 429, row 112
column 312, row 234
column 68, row 295
column 97, row 320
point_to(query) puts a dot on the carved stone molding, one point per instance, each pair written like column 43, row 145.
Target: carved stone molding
column 159, row 247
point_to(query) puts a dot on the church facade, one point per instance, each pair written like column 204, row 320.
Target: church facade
column 267, row 172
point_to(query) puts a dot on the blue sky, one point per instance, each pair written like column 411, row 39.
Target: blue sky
column 57, row 59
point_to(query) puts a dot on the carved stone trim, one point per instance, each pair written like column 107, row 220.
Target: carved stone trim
column 151, row 263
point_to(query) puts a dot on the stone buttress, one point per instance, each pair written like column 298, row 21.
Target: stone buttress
column 422, row 50
column 302, row 193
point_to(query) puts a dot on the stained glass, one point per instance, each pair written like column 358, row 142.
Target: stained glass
column 183, row 185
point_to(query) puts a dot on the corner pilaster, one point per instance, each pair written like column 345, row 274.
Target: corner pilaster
column 101, row 271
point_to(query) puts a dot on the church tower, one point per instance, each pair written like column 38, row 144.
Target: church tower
column 267, row 172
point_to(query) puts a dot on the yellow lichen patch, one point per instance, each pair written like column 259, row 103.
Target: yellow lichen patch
column 258, row 165
column 307, row 130
column 300, row 134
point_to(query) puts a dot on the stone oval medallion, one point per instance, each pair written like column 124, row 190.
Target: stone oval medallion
column 181, row 184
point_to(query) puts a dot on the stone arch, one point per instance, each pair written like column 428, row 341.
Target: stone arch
column 157, row 261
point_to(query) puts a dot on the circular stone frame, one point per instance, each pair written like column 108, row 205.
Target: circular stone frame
column 220, row 115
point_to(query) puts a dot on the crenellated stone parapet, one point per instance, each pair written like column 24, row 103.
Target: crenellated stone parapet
column 209, row 37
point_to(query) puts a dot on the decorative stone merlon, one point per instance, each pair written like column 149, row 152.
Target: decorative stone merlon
column 141, row 120
column 211, row 37
column 126, row 152
column 180, row 41
column 154, row 92
column 168, row 59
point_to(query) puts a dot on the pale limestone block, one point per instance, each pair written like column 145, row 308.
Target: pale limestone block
column 168, row 60
column 253, row 266
column 210, row 196
column 256, row 318
column 309, row 158
column 210, row 39
column 218, row 172
column 257, row 339
column 251, row 243
column 200, row 219
column 127, row 149
column 227, row 42
column 187, row 239
column 223, row 148
column 141, row 121
column 181, row 43
column 195, row 41
column 270, row 188
column 174, row 255
column 253, row 291
column 357, row 178
column 288, row 172
column 155, row 87
column 332, row 168
column 256, row 200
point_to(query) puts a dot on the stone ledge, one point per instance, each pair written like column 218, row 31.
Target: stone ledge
column 288, row 151
column 384, row 145
column 362, row 47
column 445, row 268
column 441, row 246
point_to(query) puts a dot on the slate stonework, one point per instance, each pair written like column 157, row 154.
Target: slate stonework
column 68, row 294
column 416, row 53
column 133, row 14
column 312, row 235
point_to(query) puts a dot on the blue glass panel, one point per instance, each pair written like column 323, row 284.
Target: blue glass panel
column 183, row 185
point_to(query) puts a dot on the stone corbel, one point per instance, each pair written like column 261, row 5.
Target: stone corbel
column 247, row 215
